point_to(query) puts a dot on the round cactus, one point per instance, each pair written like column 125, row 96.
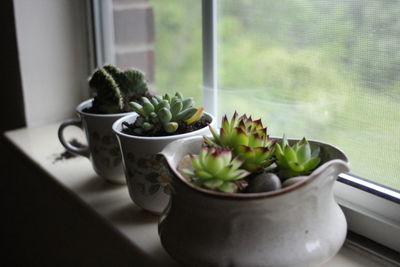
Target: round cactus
column 114, row 88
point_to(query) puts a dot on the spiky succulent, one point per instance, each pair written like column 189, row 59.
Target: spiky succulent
column 295, row 160
column 247, row 138
column 165, row 113
column 216, row 169
column 114, row 88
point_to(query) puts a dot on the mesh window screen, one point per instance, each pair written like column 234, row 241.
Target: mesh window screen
column 327, row 70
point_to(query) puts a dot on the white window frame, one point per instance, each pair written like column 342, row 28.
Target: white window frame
column 372, row 210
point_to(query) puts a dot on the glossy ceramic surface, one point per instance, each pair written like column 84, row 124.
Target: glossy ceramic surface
column 102, row 150
column 300, row 225
column 145, row 173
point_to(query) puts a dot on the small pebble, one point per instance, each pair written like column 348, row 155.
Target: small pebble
column 293, row 180
column 264, row 182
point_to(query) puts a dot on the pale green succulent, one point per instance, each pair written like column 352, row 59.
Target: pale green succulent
column 164, row 113
column 216, row 169
column 247, row 138
column 295, row 160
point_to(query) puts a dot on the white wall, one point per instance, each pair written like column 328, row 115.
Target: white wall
column 53, row 52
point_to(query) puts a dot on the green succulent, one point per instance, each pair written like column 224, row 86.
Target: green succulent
column 165, row 113
column 295, row 160
column 114, row 88
column 214, row 168
column 247, row 138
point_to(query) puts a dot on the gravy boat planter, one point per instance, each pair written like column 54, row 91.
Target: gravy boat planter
column 299, row 225
column 102, row 150
column 146, row 175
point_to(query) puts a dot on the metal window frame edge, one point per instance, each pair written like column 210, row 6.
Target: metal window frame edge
column 210, row 53
column 369, row 214
column 103, row 26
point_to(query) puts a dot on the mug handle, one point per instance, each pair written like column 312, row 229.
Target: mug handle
column 83, row 151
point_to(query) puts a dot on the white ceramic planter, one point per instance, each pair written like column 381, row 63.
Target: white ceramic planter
column 102, row 150
column 145, row 173
column 300, row 225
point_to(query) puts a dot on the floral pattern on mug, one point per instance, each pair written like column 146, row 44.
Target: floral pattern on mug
column 106, row 146
column 154, row 176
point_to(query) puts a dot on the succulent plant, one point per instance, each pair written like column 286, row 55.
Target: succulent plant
column 247, row 138
column 295, row 160
column 114, row 88
column 216, row 169
column 165, row 113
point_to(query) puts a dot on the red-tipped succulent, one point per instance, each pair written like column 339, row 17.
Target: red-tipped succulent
column 247, row 138
column 216, row 169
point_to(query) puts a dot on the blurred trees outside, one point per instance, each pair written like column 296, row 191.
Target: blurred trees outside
column 328, row 70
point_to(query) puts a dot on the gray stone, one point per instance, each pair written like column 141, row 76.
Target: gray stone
column 264, row 182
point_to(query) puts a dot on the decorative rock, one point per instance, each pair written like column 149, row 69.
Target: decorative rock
column 264, row 182
column 294, row 180
column 185, row 163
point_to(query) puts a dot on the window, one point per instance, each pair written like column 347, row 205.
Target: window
column 328, row 70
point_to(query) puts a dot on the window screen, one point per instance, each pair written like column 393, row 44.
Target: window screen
column 327, row 70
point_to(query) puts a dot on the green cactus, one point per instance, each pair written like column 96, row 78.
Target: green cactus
column 214, row 168
column 247, row 138
column 115, row 88
column 165, row 113
column 295, row 160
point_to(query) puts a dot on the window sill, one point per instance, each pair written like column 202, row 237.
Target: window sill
column 113, row 204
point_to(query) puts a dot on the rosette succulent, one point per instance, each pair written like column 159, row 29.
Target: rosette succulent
column 114, row 88
column 295, row 160
column 247, row 138
column 165, row 113
column 216, row 169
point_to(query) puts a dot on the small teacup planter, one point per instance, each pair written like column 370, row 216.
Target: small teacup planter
column 114, row 89
column 146, row 175
column 206, row 224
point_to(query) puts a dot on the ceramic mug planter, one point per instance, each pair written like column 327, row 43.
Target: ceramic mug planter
column 146, row 175
column 102, row 149
column 300, row 225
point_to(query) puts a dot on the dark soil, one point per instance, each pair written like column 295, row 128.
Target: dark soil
column 95, row 110
column 92, row 110
column 183, row 128
column 66, row 154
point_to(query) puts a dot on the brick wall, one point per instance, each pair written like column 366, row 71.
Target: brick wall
column 134, row 35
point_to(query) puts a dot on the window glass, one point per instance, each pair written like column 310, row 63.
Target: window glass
column 178, row 47
column 327, row 70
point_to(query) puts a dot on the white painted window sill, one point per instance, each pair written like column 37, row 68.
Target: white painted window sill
column 76, row 175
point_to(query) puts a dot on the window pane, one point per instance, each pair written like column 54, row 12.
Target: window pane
column 178, row 47
column 327, row 70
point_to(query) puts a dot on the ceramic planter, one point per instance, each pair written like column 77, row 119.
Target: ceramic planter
column 102, row 150
column 146, row 175
column 300, row 225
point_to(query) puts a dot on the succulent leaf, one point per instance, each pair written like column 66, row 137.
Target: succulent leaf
column 196, row 116
column 214, row 168
column 164, row 115
column 243, row 136
column 228, row 187
column 165, row 112
column 295, row 160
